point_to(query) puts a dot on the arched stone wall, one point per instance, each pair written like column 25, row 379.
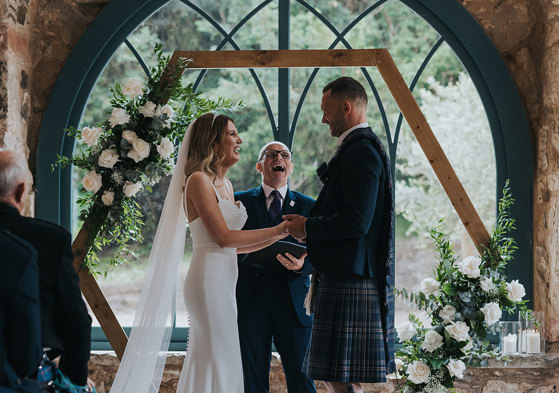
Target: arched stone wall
column 36, row 37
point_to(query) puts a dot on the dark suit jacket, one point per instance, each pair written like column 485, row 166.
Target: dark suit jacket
column 255, row 203
column 20, row 317
column 66, row 324
column 344, row 231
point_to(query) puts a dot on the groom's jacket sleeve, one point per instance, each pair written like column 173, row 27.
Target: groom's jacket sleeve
column 349, row 204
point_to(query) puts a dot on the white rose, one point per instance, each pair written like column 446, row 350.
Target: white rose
column 132, row 88
column 456, row 368
column 130, row 189
column 108, row 158
column 119, row 116
column 130, row 136
column 458, row 331
column 447, row 314
column 92, row 181
column 433, row 340
column 167, row 110
column 406, row 331
column 430, row 286
column 515, row 291
column 399, row 363
column 486, row 284
column 148, row 109
column 108, row 198
column 133, row 154
column 418, row 372
column 165, row 148
column 91, row 135
column 492, row 313
column 469, row 266
column 140, row 150
column 467, row 347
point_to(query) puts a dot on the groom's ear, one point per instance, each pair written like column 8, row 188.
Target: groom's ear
column 347, row 107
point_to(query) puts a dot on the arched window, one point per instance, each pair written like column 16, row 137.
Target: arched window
column 455, row 73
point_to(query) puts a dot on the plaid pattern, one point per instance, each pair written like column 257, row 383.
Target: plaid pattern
column 347, row 341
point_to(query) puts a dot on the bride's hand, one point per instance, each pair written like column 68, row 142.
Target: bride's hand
column 282, row 230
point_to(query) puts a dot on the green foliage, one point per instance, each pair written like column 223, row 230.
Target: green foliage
column 463, row 301
column 131, row 150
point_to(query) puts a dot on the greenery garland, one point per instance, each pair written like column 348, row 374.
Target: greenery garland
column 131, row 150
column 464, row 302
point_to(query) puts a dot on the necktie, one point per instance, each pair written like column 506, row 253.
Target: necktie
column 275, row 206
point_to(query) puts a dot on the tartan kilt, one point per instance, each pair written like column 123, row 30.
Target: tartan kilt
column 347, row 342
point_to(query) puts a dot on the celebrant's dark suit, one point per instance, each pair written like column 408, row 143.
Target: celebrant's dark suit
column 66, row 325
column 20, row 321
column 350, row 228
column 270, row 303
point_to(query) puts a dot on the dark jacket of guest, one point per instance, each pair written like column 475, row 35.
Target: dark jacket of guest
column 20, row 321
column 66, row 325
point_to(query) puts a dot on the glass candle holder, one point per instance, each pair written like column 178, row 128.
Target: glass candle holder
column 509, row 336
column 532, row 333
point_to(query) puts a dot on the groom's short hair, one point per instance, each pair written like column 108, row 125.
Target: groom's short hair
column 348, row 89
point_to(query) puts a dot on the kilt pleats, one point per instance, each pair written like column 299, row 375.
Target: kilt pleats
column 347, row 342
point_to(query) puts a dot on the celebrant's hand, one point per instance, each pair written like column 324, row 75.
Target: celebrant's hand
column 282, row 230
column 290, row 262
column 296, row 226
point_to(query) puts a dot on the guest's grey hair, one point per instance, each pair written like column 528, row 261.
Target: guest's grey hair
column 268, row 145
column 13, row 171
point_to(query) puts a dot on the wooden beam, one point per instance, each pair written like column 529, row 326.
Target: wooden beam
column 93, row 294
column 432, row 149
column 279, row 58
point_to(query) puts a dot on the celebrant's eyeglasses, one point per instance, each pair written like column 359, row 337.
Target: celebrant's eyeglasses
column 271, row 153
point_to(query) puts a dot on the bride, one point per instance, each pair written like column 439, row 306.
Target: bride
column 199, row 192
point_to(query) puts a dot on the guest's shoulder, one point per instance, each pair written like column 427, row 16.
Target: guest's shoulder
column 50, row 229
column 16, row 245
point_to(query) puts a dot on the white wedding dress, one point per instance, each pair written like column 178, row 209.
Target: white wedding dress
column 213, row 358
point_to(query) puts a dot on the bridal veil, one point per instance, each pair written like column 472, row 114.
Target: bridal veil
column 141, row 367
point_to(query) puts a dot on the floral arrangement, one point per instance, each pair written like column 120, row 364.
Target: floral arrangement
column 463, row 301
column 132, row 150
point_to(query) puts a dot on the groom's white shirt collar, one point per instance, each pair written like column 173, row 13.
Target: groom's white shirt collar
column 346, row 133
column 268, row 190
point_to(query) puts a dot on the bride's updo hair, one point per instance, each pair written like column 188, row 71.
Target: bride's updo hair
column 208, row 132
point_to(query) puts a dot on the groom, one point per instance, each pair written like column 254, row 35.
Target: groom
column 349, row 242
column 270, row 294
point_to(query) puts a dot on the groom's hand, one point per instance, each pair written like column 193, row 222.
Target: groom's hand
column 296, row 226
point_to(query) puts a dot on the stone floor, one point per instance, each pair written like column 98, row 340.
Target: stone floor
column 523, row 374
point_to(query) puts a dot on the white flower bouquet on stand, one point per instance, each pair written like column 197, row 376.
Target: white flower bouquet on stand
column 464, row 300
column 131, row 151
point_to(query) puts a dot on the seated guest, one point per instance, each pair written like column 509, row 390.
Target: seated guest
column 66, row 325
column 20, row 318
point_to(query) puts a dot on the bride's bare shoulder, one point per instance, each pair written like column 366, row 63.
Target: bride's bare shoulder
column 200, row 181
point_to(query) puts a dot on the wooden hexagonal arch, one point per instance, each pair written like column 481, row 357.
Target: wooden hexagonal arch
column 379, row 58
